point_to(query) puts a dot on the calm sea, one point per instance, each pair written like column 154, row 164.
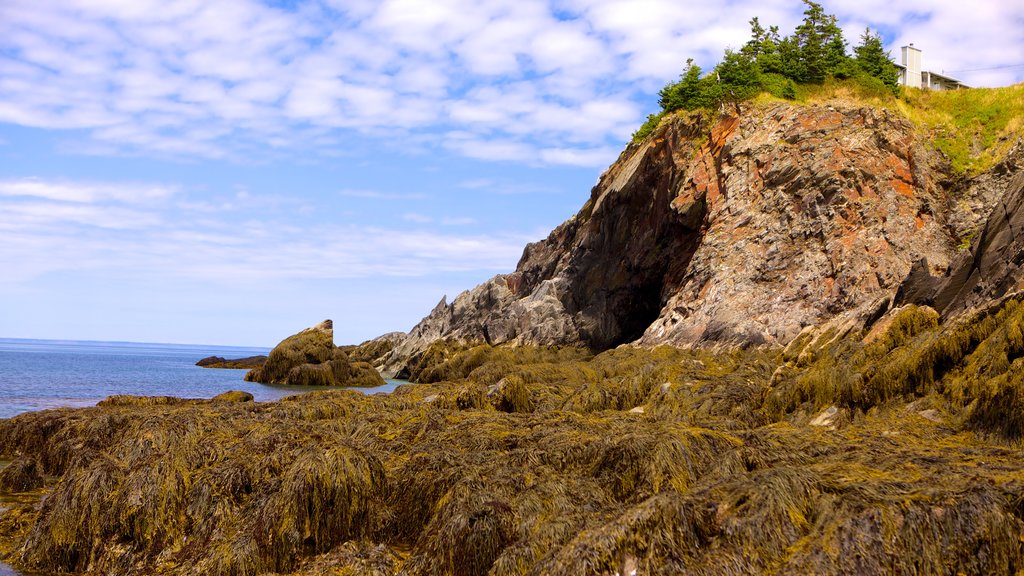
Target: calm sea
column 39, row 374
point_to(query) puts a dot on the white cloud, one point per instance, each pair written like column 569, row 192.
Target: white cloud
column 457, row 221
column 507, row 187
column 81, row 192
column 417, row 218
column 524, row 77
column 130, row 228
column 378, row 195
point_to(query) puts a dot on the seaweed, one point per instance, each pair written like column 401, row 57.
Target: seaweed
column 895, row 450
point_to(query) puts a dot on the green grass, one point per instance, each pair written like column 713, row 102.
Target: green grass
column 974, row 127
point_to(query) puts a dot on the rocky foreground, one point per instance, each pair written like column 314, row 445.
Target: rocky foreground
column 824, row 374
column 848, row 453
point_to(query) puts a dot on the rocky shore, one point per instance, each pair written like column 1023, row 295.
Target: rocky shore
column 783, row 340
column 895, row 451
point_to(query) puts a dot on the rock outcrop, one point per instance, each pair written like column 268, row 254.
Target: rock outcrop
column 992, row 268
column 310, row 358
column 247, row 363
column 734, row 231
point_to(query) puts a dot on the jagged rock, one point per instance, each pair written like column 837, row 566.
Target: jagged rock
column 375, row 351
column 310, row 358
column 972, row 199
column 247, row 363
column 989, row 271
column 735, row 231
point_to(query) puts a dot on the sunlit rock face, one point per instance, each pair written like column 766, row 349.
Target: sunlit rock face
column 734, row 230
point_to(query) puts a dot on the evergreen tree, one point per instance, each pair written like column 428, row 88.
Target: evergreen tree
column 739, row 76
column 763, row 47
column 821, row 48
column 683, row 94
column 815, row 51
column 872, row 58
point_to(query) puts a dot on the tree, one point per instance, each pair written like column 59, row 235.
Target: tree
column 683, row 94
column 872, row 58
column 763, row 47
column 739, row 76
column 820, row 46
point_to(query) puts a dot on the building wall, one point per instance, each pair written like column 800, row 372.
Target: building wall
column 911, row 58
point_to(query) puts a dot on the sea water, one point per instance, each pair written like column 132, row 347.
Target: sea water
column 40, row 374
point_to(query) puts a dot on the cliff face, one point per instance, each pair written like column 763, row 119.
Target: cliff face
column 739, row 230
column 994, row 265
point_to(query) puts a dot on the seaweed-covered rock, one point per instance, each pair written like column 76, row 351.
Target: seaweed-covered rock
column 22, row 475
column 375, row 351
column 726, row 470
column 310, row 358
column 233, row 396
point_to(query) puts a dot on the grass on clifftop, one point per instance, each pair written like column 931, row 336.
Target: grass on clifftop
column 975, row 128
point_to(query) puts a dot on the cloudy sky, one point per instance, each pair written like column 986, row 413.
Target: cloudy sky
column 229, row 172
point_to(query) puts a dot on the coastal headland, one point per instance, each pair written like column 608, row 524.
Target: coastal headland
column 782, row 337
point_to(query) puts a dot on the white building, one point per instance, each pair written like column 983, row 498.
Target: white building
column 912, row 76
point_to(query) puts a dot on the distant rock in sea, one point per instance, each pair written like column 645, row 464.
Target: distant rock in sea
column 310, row 358
column 247, row 363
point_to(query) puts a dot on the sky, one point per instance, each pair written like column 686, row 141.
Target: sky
column 230, row 172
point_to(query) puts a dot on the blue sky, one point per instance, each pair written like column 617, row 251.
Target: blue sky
column 230, row 172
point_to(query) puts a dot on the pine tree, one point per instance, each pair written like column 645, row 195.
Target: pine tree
column 763, row 47
column 683, row 94
column 872, row 58
column 821, row 48
column 739, row 75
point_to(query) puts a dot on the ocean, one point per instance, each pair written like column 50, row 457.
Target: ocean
column 40, row 374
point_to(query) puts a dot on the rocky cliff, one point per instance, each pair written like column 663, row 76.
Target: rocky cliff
column 737, row 230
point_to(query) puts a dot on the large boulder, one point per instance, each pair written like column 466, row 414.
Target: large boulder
column 310, row 358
